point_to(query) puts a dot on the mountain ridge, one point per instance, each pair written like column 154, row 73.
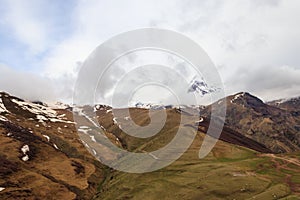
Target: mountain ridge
column 42, row 153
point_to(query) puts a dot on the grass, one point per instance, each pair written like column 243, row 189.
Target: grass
column 228, row 172
column 242, row 176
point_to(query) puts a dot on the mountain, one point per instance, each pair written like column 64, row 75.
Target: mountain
column 149, row 106
column 292, row 105
column 201, row 87
column 273, row 126
column 43, row 157
column 238, row 167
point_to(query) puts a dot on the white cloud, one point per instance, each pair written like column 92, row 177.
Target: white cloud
column 26, row 85
column 240, row 36
column 23, row 21
column 95, row 22
column 268, row 82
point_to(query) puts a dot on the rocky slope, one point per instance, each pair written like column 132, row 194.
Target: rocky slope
column 273, row 126
column 292, row 104
column 41, row 156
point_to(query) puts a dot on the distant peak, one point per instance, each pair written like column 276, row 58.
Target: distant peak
column 201, row 87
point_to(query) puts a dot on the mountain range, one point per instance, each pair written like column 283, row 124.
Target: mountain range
column 43, row 157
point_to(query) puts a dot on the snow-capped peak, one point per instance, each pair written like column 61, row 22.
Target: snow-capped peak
column 149, row 106
column 58, row 105
column 199, row 86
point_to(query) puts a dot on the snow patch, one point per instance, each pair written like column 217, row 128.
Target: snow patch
column 85, row 144
column 41, row 117
column 58, row 106
column 108, row 110
column 43, row 113
column 200, row 120
column 236, row 97
column 84, row 129
column 25, row 149
column 2, row 118
column 153, row 156
column 127, row 118
column 61, row 120
column 94, row 152
column 55, row 146
column 25, row 158
column 61, row 116
column 93, row 138
column 81, row 113
column 2, row 107
column 102, row 127
column 97, row 107
column 36, row 108
column 149, row 106
column 115, row 120
column 47, row 137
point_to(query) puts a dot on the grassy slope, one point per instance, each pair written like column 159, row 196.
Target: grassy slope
column 228, row 172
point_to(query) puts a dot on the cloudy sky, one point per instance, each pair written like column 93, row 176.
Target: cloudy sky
column 254, row 44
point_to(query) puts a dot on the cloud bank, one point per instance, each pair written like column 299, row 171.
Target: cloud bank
column 253, row 43
column 26, row 85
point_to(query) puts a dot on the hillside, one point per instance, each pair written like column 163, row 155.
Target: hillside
column 276, row 128
column 43, row 157
column 237, row 168
column 41, row 154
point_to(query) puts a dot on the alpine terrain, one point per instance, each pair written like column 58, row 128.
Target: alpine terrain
column 43, row 156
